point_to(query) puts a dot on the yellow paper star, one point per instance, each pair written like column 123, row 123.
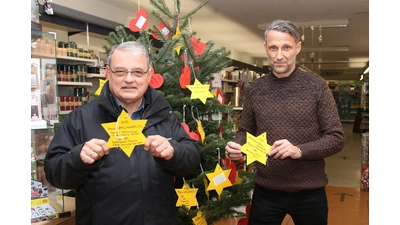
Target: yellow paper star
column 205, row 181
column 101, row 84
column 200, row 91
column 219, row 179
column 186, row 196
column 199, row 219
column 238, row 180
column 200, row 130
column 256, row 148
column 125, row 133
column 178, row 44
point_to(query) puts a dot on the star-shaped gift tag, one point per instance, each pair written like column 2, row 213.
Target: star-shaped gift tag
column 219, row 179
column 125, row 133
column 178, row 45
column 101, row 84
column 256, row 148
column 199, row 219
column 186, row 196
column 200, row 91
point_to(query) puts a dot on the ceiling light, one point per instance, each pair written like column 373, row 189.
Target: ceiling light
column 316, row 23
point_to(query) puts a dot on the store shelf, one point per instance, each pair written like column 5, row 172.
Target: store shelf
column 39, row 124
column 229, row 81
column 69, row 58
column 80, row 84
column 61, row 57
column 95, row 75
column 65, row 112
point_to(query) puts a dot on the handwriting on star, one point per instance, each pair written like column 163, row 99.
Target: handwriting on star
column 186, row 196
column 125, row 133
column 199, row 219
column 256, row 148
column 200, row 91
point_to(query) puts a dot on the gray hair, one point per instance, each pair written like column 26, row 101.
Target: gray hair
column 284, row 26
column 137, row 48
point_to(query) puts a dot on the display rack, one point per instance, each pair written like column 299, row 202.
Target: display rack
column 365, row 162
column 47, row 202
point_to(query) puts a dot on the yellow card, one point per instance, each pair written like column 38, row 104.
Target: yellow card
column 186, row 196
column 200, row 91
column 256, row 148
column 125, row 133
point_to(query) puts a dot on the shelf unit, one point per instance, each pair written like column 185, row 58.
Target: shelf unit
column 348, row 99
column 47, row 202
column 74, row 91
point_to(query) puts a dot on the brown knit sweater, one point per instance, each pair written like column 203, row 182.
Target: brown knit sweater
column 301, row 109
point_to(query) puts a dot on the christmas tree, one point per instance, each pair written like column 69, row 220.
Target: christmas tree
column 183, row 69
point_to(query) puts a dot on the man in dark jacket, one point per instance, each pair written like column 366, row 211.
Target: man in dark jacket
column 112, row 187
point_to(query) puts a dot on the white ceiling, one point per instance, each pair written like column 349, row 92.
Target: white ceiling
column 233, row 24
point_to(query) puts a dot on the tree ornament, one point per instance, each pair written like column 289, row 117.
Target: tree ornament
column 140, row 21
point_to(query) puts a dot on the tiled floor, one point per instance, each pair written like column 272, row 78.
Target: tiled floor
column 344, row 168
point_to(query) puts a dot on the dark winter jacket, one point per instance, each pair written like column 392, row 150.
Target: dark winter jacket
column 117, row 189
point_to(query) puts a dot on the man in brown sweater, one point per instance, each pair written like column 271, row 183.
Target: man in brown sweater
column 297, row 111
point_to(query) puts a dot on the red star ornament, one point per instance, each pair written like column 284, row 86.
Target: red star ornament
column 156, row 79
column 219, row 179
column 140, row 21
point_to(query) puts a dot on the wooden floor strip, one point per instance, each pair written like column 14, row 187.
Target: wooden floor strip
column 346, row 206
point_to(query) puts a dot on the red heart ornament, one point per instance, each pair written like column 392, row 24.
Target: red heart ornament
column 139, row 22
column 156, row 79
column 164, row 31
column 194, row 136
column 231, row 165
column 184, row 79
column 197, row 46
column 220, row 97
column 185, row 127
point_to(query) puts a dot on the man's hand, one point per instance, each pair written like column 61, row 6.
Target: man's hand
column 232, row 151
column 159, row 147
column 93, row 150
column 282, row 149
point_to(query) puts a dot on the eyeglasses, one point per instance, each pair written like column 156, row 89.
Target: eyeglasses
column 123, row 73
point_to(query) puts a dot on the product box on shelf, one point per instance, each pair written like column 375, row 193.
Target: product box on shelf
column 47, row 203
column 41, row 210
